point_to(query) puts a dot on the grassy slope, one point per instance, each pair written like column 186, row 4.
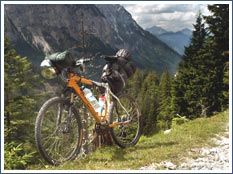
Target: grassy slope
column 157, row 148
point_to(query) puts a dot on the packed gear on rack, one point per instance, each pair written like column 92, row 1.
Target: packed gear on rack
column 118, row 69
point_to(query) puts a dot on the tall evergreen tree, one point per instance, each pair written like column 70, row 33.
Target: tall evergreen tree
column 135, row 83
column 20, row 99
column 201, row 85
column 148, row 100
column 214, row 56
column 165, row 111
column 189, row 79
column 218, row 26
column 19, row 109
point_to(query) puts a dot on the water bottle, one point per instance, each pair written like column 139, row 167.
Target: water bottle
column 91, row 98
column 102, row 105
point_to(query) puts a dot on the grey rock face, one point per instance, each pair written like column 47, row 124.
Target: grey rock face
column 45, row 29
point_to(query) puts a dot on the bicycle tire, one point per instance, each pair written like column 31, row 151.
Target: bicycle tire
column 128, row 134
column 55, row 147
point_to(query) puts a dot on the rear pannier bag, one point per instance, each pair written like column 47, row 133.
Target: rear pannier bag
column 127, row 65
column 117, row 72
column 62, row 60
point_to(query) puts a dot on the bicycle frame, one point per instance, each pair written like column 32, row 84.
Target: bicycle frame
column 72, row 83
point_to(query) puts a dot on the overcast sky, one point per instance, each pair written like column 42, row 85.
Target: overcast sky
column 171, row 17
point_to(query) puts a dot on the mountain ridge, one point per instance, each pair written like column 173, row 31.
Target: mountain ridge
column 43, row 29
column 155, row 30
column 176, row 40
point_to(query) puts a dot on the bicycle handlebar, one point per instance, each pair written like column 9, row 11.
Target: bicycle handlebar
column 84, row 60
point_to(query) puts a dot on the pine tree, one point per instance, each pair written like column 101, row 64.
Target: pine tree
column 148, row 100
column 189, row 78
column 214, row 59
column 165, row 111
column 218, row 26
column 201, row 85
column 134, row 84
column 20, row 100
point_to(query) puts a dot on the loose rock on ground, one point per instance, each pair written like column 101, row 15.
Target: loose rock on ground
column 214, row 158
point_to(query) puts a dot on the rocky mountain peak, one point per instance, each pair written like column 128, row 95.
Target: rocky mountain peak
column 155, row 30
column 40, row 29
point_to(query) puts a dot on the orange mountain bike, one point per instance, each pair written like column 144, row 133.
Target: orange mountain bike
column 58, row 128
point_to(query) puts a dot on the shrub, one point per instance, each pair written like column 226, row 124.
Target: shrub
column 179, row 120
column 15, row 157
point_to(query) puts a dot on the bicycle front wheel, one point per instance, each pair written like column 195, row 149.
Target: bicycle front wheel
column 58, row 131
column 129, row 132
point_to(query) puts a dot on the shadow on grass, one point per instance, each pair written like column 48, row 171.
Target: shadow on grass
column 154, row 145
column 119, row 154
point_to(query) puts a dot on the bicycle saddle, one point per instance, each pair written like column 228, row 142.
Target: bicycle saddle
column 110, row 57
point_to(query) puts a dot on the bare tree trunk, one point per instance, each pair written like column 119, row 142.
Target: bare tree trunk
column 101, row 137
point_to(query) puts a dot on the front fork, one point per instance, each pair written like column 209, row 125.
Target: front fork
column 68, row 94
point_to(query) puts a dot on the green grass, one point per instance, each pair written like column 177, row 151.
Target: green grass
column 159, row 147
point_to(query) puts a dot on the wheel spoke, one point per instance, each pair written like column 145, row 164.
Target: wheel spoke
column 129, row 131
column 55, row 144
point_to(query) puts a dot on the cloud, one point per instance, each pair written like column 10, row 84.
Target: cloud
column 172, row 17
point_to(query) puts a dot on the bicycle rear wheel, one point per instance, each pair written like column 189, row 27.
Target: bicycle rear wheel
column 58, row 131
column 128, row 133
